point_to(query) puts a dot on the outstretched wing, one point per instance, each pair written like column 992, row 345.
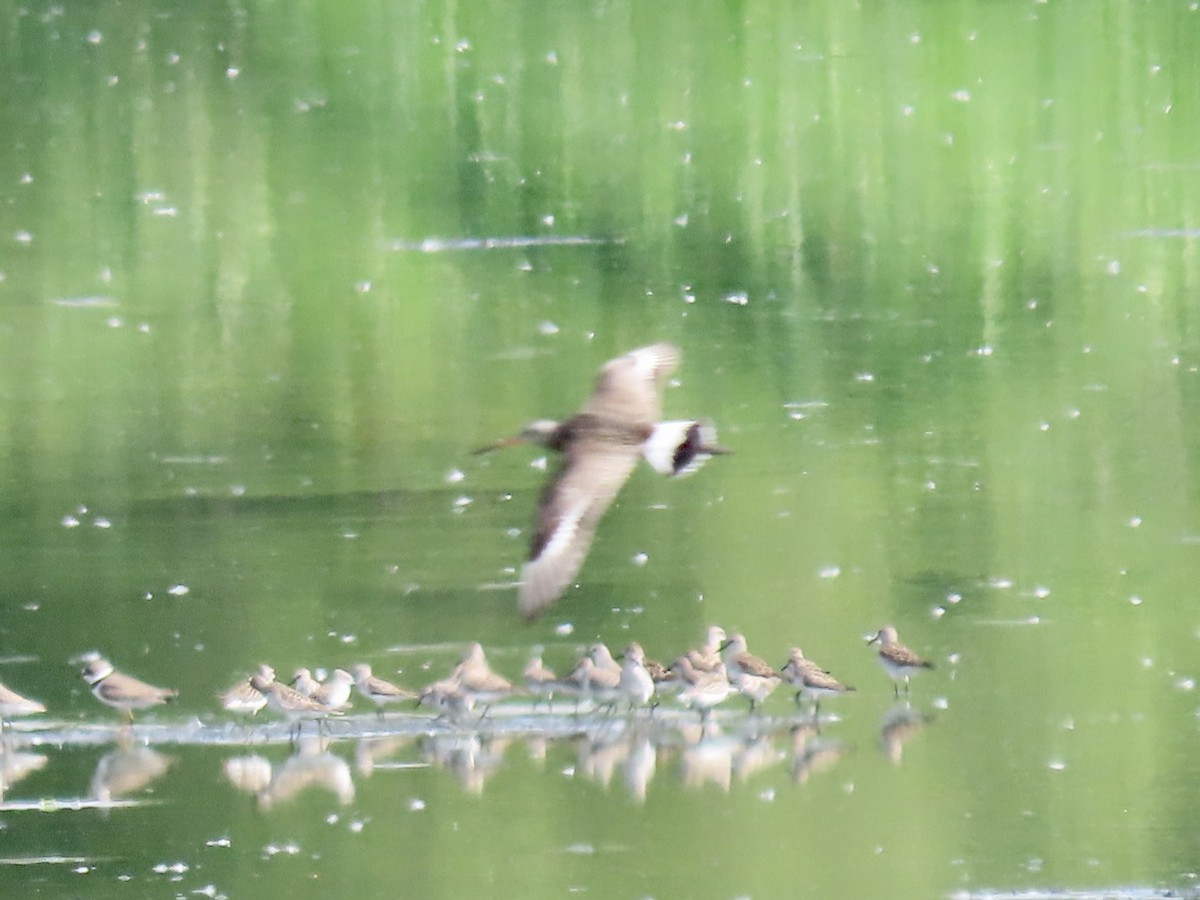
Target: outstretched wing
column 569, row 509
column 628, row 388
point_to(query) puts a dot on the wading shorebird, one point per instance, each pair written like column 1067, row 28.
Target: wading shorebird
column 810, row 679
column 600, row 446
column 121, row 691
column 897, row 660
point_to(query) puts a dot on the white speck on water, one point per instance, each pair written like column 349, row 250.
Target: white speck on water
column 829, row 571
column 864, row 377
column 954, row 597
column 114, row 322
column 1113, row 267
column 350, row 535
column 915, row 37
column 23, row 237
column 1185, row 684
column 768, row 795
column 69, row 522
column 237, row 490
column 94, row 37
column 178, row 590
column 289, row 849
column 681, row 221
column 1135, row 600
column 356, row 826
column 209, row 890
column 938, row 611
column 177, row 868
column 218, row 842
column 363, row 287
column 463, row 500
column 954, row 658
column 416, row 805
column 678, row 125
column 539, row 464
column 548, row 219
column 349, row 638
column 1041, row 592
column 564, row 629
column 1000, row 584
column 462, row 46
column 1135, row 522
column 984, row 350
column 552, row 58
column 962, row 95
column 940, row 703
column 1043, row 426
column 547, row 328
column 1147, row 662
column 331, row 819
column 907, row 110
column 454, row 476
column 737, row 298
column 640, row 559
column 232, row 72
column 101, row 522
column 81, row 870
column 930, row 486
column 26, row 178
column 1056, row 765
column 172, row 58
column 581, row 849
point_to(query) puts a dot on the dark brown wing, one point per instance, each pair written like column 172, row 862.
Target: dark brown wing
column 628, row 388
column 571, row 504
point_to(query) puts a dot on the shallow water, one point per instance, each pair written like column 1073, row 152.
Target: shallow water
column 268, row 275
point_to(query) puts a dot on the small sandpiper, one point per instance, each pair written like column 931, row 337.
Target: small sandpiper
column 707, row 657
column 334, row 692
column 603, row 683
column 897, row 660
column 289, row 702
column 243, row 698
column 447, row 697
column 749, row 674
column 635, row 684
column 477, row 681
column 810, row 680
column 13, row 704
column 120, row 691
column 377, row 690
column 701, row 691
column 303, row 682
column 540, row 683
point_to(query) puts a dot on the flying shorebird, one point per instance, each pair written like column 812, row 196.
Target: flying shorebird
column 600, row 446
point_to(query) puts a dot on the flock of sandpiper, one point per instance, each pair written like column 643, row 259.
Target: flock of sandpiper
column 701, row 679
column 599, row 446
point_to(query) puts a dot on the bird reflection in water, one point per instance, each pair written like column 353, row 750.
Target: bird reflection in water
column 311, row 766
column 900, row 724
column 127, row 769
column 17, row 764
